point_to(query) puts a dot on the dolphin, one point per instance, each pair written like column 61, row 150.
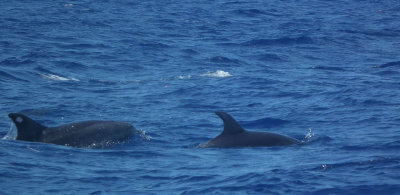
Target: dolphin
column 85, row 134
column 234, row 135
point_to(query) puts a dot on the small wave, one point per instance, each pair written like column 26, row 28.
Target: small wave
column 222, row 59
column 388, row 73
column 190, row 51
column 270, row 57
column 58, row 78
column 382, row 33
column 250, row 12
column 327, row 68
column 102, row 81
column 373, row 161
column 70, row 65
column 388, row 145
column 265, row 123
column 4, row 75
column 389, row 64
column 279, row 41
column 16, row 62
column 392, row 145
column 375, row 33
column 374, row 102
column 217, row 74
column 154, row 45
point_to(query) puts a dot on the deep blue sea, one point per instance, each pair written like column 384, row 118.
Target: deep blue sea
column 325, row 72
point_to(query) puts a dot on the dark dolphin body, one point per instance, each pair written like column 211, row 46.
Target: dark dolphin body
column 86, row 134
column 234, row 135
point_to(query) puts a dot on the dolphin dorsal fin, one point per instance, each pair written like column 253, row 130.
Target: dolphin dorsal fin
column 28, row 129
column 230, row 124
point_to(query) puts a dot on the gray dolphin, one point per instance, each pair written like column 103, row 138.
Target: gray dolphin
column 234, row 135
column 86, row 134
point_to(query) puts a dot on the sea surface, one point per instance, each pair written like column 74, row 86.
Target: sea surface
column 324, row 72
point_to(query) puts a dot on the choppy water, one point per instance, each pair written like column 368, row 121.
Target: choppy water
column 166, row 66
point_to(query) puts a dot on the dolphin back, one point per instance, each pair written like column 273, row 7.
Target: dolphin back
column 234, row 135
column 89, row 134
column 86, row 134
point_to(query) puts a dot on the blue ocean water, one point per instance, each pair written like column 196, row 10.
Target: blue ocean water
column 325, row 72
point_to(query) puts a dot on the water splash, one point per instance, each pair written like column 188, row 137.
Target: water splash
column 184, row 76
column 58, row 78
column 308, row 136
column 12, row 133
column 218, row 74
column 142, row 134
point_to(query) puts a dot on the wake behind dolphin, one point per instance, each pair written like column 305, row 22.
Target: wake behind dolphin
column 234, row 135
column 85, row 134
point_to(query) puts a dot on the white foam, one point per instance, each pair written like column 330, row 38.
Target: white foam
column 142, row 134
column 184, row 76
column 58, row 78
column 12, row 133
column 310, row 134
column 218, row 74
column 33, row 149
